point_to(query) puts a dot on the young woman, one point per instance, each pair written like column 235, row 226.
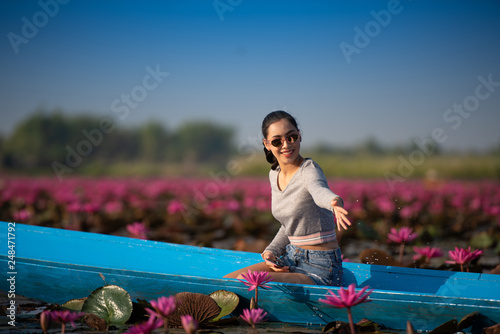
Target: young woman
column 305, row 249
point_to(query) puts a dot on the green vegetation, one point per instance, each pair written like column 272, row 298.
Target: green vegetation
column 91, row 145
column 450, row 166
column 45, row 143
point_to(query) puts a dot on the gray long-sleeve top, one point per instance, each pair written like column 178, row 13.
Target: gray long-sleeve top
column 303, row 208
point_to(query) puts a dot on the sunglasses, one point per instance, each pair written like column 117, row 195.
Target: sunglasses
column 279, row 141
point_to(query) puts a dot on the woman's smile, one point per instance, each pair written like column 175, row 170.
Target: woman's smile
column 287, row 153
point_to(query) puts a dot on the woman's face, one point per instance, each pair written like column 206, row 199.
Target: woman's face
column 288, row 138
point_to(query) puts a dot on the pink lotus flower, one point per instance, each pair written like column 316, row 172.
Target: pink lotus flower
column 385, row 205
column 113, row 207
column 74, row 207
column 64, row 317
column 233, row 205
column 475, row 254
column 175, row 206
column 347, row 298
column 262, row 205
column 463, row 256
column 253, row 316
column 427, row 253
column 22, row 215
column 256, row 279
column 404, row 234
column 146, row 327
column 162, row 308
column 401, row 236
column 344, row 259
column 189, row 324
column 137, row 230
column 90, row 208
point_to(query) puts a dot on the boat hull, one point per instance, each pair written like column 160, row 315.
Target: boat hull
column 56, row 265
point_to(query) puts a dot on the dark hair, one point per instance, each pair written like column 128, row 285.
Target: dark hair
column 271, row 118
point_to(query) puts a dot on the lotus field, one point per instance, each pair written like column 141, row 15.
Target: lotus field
column 448, row 225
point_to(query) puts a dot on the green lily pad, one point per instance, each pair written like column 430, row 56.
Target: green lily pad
column 74, row 304
column 111, row 303
column 226, row 300
column 482, row 240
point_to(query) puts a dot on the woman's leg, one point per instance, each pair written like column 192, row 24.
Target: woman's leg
column 261, row 266
column 285, row 277
column 288, row 277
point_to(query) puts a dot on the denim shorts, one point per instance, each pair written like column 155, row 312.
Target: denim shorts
column 323, row 267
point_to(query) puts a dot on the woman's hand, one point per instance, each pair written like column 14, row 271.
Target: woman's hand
column 270, row 260
column 340, row 214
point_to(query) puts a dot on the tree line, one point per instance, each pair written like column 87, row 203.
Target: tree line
column 56, row 141
column 44, row 138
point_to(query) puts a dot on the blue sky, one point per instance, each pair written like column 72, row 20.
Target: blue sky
column 233, row 61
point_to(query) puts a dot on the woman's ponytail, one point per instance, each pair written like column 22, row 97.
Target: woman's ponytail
column 271, row 158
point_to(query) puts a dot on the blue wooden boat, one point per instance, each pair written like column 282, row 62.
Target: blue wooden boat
column 57, row 265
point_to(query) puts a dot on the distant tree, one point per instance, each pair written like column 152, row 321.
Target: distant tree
column 427, row 146
column 370, row 146
column 204, row 141
column 154, row 142
column 495, row 150
column 37, row 141
column 44, row 137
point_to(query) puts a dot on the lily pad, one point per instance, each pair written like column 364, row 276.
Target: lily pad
column 366, row 325
column 111, row 303
column 482, row 240
column 226, row 300
column 337, row 327
column 466, row 321
column 201, row 307
column 93, row 321
column 448, row 327
column 74, row 304
column 492, row 330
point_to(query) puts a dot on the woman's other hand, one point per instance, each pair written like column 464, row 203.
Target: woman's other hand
column 270, row 260
column 340, row 214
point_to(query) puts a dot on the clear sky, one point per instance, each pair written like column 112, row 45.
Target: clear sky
column 348, row 70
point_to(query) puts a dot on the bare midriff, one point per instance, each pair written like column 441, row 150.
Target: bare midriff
column 324, row 246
